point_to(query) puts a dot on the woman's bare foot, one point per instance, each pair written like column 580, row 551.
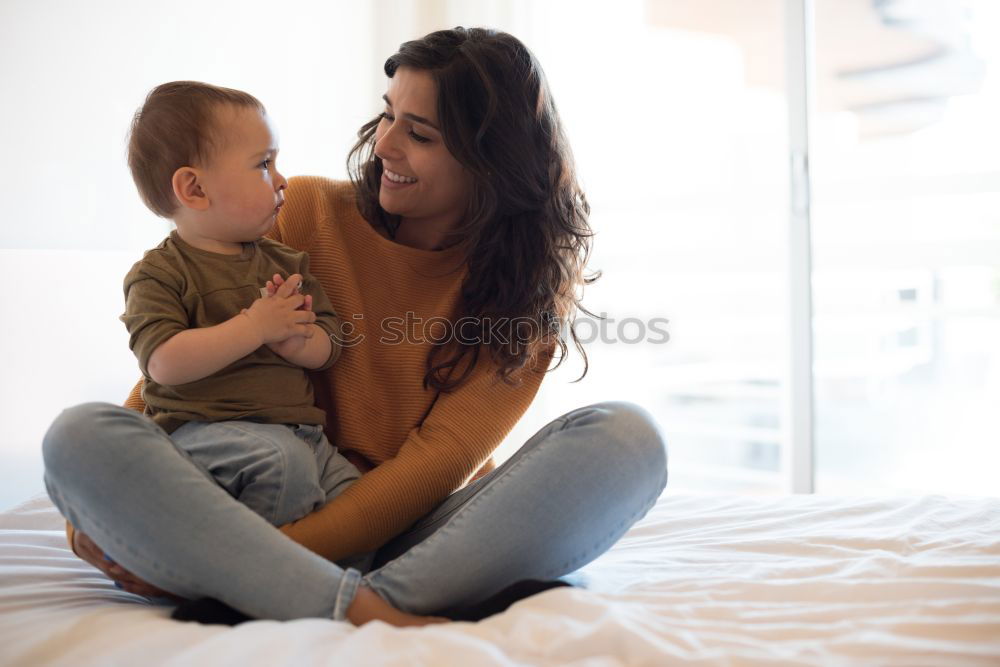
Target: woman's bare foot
column 369, row 606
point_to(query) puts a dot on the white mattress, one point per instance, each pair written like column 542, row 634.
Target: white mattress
column 702, row 580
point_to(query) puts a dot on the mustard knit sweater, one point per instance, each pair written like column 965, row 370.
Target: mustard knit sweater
column 424, row 445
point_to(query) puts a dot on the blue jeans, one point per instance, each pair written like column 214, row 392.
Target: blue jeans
column 564, row 498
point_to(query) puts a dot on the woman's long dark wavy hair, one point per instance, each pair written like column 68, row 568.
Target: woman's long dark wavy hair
column 526, row 230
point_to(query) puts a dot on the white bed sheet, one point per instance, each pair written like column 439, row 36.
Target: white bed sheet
column 701, row 580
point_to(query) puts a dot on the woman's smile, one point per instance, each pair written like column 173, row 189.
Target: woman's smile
column 393, row 181
column 398, row 178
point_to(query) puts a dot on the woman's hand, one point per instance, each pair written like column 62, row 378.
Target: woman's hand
column 86, row 549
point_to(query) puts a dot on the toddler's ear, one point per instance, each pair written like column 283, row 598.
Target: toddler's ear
column 187, row 189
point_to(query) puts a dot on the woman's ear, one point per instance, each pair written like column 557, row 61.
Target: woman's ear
column 188, row 190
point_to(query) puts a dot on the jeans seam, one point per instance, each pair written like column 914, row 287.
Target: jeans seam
column 565, row 567
column 569, row 566
column 409, row 555
column 564, row 422
column 130, row 548
column 448, row 517
column 282, row 488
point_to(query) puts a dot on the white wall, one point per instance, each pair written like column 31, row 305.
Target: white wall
column 73, row 74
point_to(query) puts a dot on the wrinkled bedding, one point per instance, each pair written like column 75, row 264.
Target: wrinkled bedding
column 701, row 580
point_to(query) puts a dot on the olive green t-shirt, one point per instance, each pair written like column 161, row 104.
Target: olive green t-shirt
column 175, row 287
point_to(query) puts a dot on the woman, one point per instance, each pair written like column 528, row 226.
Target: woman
column 454, row 258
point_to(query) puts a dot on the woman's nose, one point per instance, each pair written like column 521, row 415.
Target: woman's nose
column 386, row 147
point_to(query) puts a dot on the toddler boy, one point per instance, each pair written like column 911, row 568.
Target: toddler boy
column 226, row 323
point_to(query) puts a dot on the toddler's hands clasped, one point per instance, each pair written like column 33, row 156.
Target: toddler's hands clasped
column 283, row 313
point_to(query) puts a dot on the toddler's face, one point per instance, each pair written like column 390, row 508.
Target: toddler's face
column 242, row 182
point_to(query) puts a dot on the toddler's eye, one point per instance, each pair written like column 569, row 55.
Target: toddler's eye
column 265, row 164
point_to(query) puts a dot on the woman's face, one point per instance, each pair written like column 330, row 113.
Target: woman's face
column 421, row 180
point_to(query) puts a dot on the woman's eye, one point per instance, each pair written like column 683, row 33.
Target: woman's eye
column 416, row 137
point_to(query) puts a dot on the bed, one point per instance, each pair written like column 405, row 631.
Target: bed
column 701, row 580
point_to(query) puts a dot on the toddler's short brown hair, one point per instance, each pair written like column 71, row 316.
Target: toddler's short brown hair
column 176, row 127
